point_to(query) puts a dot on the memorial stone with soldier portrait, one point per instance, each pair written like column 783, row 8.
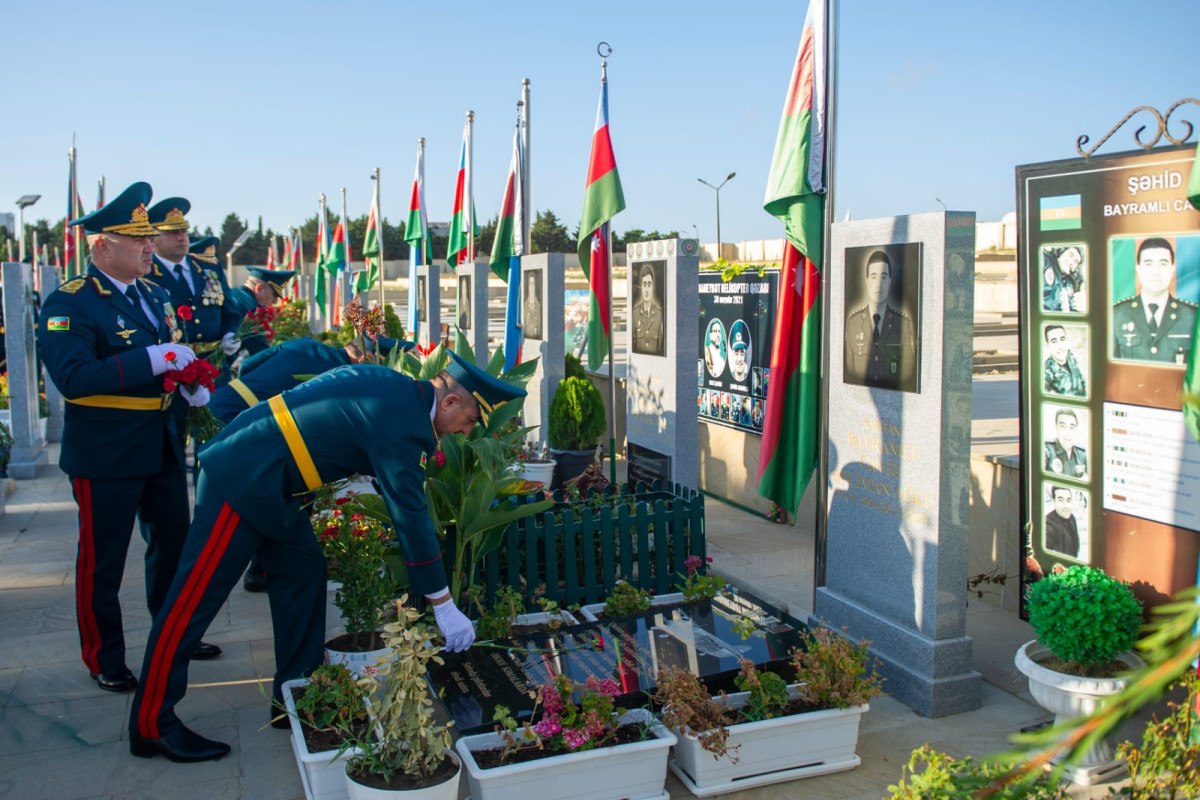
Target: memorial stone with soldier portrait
column 882, row 331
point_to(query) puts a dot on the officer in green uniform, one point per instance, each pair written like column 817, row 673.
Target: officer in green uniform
column 1061, row 455
column 881, row 346
column 739, row 351
column 1154, row 325
column 277, row 369
column 1060, row 371
column 363, row 419
column 106, row 339
column 263, row 289
column 648, row 328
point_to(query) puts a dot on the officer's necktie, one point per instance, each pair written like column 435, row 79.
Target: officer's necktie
column 875, row 329
column 1153, row 317
column 182, row 279
column 136, row 301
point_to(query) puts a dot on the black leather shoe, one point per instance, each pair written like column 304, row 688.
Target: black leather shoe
column 205, row 651
column 183, row 746
column 254, row 581
column 117, row 680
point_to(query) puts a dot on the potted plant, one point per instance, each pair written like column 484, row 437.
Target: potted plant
column 507, row 617
column 354, row 545
column 771, row 731
column 408, row 750
column 933, row 775
column 625, row 599
column 319, row 708
column 535, row 464
column 577, row 420
column 1085, row 622
column 590, row 750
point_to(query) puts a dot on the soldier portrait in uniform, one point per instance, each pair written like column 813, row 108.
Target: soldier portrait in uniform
column 756, row 414
column 739, row 351
column 1064, row 431
column 1063, row 274
column 756, row 381
column 714, row 348
column 647, row 315
column 531, row 313
column 1065, row 530
column 464, row 302
column 1064, row 370
column 1154, row 324
column 422, row 314
column 882, row 330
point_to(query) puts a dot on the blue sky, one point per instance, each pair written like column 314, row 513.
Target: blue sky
column 257, row 107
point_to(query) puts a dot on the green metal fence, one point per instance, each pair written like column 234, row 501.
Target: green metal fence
column 578, row 550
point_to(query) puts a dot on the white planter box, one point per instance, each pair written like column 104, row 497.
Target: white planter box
column 772, row 751
column 323, row 774
column 446, row 790
column 542, row 472
column 635, row 771
column 590, row 611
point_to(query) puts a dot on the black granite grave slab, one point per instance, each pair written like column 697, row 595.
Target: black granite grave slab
column 707, row 638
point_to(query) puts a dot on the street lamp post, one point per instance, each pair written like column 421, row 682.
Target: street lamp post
column 22, row 204
column 717, row 189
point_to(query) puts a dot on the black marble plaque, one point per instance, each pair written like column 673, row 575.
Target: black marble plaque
column 706, row 638
column 648, row 465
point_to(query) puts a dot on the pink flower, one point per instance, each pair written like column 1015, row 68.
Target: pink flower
column 439, row 458
column 547, row 727
column 576, row 739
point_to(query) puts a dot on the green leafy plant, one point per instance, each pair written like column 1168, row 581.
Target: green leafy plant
column 566, row 726
column 933, row 775
column 834, row 672
column 291, row 321
column 408, row 738
column 689, row 709
column 768, row 692
column 496, row 621
column 576, row 415
column 331, row 698
column 1167, row 765
column 1084, row 617
column 626, row 599
column 699, row 585
column 574, row 367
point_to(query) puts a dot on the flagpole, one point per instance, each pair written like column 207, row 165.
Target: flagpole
column 612, row 328
column 821, row 543
column 469, row 191
column 379, row 239
column 318, row 275
column 525, row 157
column 346, row 249
column 78, row 268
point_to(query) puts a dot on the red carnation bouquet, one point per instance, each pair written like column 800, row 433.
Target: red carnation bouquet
column 201, row 424
column 257, row 322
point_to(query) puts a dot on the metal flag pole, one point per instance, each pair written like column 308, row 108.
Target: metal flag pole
column 379, row 238
column 77, row 269
column 469, row 191
column 525, row 222
column 612, row 328
column 318, row 269
column 341, row 278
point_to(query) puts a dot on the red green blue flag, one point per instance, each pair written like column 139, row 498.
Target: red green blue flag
column 416, row 233
column 462, row 218
column 795, row 194
column 603, row 199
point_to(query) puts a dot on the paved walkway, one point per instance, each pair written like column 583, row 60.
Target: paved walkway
column 63, row 739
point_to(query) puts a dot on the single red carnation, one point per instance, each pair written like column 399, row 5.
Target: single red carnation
column 169, row 356
column 184, row 312
column 168, row 385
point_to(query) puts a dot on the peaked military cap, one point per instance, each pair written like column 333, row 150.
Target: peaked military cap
column 204, row 249
column 168, row 215
column 275, row 278
column 490, row 392
column 124, row 214
column 385, row 345
column 739, row 336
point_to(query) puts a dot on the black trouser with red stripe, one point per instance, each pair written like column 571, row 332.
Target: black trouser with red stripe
column 218, row 547
column 106, row 513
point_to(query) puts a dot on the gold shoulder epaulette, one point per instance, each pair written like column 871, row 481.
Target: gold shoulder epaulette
column 73, row 286
column 100, row 288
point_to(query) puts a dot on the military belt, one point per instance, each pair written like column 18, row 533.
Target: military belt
column 159, row 403
column 244, row 392
column 295, row 443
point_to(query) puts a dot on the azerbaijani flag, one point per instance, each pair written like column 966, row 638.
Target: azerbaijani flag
column 366, row 278
column 293, row 263
column 271, row 255
column 336, row 261
column 462, row 219
column 603, row 199
column 509, row 246
column 69, row 230
column 416, row 233
column 795, row 194
column 322, row 249
column 1063, row 213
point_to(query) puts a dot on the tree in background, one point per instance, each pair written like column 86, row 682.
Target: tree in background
column 548, row 235
column 487, row 235
column 638, row 235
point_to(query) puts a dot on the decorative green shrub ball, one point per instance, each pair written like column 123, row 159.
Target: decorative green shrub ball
column 576, row 415
column 1084, row 616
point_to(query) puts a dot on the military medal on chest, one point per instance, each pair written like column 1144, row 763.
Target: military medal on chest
column 212, row 294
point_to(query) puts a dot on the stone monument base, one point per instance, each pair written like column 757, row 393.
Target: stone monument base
column 24, row 462
column 932, row 676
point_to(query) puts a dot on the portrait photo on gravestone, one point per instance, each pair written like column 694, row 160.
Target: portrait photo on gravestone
column 531, row 311
column 882, row 316
column 464, row 302
column 737, row 326
column 1155, row 288
column 647, row 315
column 422, row 305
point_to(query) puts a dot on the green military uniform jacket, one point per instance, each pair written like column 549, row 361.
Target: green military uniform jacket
column 1060, row 462
column 1064, row 379
column 357, row 420
column 888, row 360
column 1171, row 343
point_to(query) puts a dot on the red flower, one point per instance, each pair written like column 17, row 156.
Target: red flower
column 439, row 458
column 169, row 356
column 184, row 312
column 168, row 385
column 341, row 501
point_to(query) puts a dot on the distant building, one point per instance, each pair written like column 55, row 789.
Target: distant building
column 9, row 222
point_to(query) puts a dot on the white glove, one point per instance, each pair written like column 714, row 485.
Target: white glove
column 197, row 397
column 160, row 363
column 455, row 626
column 230, row 344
